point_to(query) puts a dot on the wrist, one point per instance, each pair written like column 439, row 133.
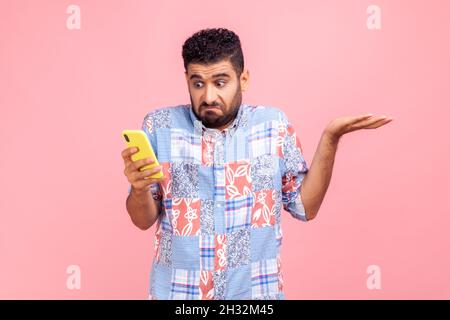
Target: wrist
column 141, row 196
column 330, row 137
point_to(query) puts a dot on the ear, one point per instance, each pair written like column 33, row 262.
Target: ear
column 244, row 79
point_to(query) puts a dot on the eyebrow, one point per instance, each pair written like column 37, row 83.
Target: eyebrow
column 217, row 75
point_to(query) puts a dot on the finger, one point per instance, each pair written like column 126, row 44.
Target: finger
column 369, row 121
column 149, row 172
column 146, row 182
column 360, row 118
column 372, row 123
column 127, row 153
column 138, row 164
column 379, row 124
column 137, row 176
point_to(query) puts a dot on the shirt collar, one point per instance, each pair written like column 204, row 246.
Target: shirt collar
column 198, row 123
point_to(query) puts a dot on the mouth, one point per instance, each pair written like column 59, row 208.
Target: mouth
column 212, row 107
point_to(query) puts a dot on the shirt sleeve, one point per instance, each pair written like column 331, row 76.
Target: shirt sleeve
column 294, row 169
column 149, row 128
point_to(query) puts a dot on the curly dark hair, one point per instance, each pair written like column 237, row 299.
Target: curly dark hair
column 213, row 45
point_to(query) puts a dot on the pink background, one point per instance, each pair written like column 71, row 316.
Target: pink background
column 66, row 95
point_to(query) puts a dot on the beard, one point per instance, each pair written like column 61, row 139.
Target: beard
column 211, row 119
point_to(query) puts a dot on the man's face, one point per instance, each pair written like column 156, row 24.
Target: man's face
column 216, row 92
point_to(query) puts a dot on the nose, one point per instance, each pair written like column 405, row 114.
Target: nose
column 210, row 95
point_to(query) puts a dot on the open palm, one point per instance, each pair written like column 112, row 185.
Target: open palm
column 342, row 125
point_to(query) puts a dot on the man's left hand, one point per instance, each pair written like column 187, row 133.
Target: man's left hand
column 340, row 126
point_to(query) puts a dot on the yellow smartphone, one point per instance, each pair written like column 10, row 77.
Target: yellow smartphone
column 139, row 139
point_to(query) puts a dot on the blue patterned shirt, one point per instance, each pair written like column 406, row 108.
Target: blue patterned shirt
column 218, row 233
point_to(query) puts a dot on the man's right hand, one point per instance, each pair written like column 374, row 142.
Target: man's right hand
column 139, row 180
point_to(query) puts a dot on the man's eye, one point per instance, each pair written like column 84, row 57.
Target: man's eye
column 198, row 84
column 221, row 83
